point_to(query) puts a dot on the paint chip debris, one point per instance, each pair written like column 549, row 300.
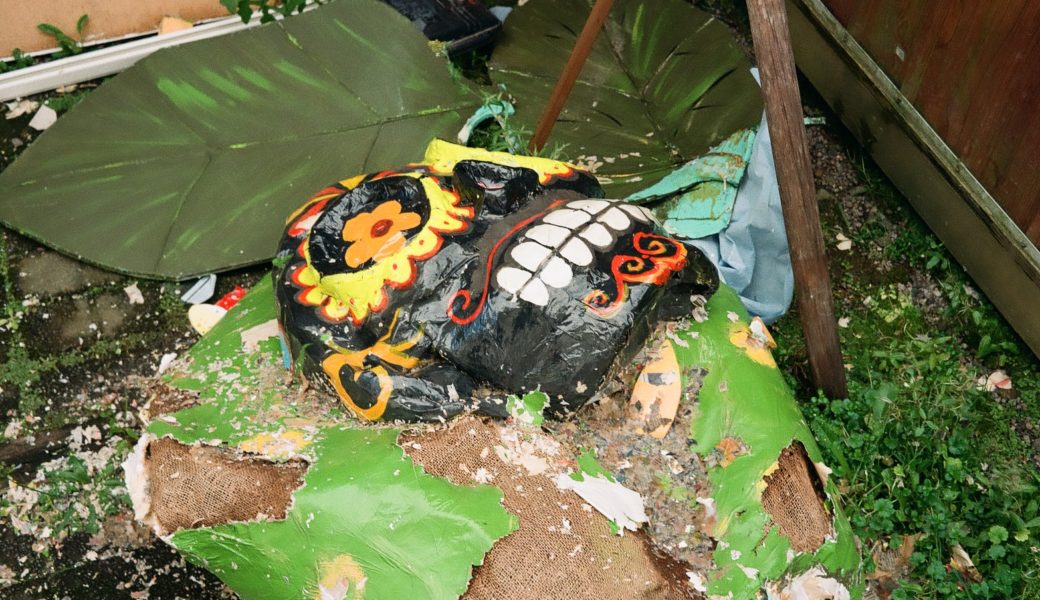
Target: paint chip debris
column 656, row 394
column 44, row 118
column 482, row 475
column 133, row 294
column 252, row 337
column 613, row 500
column 19, row 108
column 697, row 581
column 844, row 243
column 165, row 362
column 810, row 585
column 527, row 409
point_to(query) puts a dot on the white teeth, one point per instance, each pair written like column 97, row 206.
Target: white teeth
column 565, row 217
column 529, row 255
column 557, row 273
column 597, row 235
column 637, row 212
column 590, row 206
column 545, row 256
column 577, row 252
column 615, row 219
column 548, row 235
column 512, row 279
column 535, row 292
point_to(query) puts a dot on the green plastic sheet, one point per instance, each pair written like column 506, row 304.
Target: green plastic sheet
column 190, row 161
column 663, row 83
column 367, row 522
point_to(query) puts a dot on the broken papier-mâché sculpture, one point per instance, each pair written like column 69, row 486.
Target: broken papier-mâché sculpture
column 414, row 293
column 267, row 485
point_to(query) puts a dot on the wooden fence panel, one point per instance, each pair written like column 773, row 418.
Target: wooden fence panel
column 971, row 68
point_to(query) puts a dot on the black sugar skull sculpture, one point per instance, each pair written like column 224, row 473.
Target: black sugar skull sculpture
column 415, row 294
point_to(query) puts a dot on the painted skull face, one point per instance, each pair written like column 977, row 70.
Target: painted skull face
column 413, row 294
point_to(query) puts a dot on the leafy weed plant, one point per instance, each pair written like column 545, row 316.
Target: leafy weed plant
column 61, row 103
column 503, row 134
column 920, row 448
column 19, row 60
column 268, row 10
column 67, row 44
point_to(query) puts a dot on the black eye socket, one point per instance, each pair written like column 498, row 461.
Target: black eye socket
column 496, row 189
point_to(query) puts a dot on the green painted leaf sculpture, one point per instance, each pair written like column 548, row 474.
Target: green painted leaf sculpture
column 663, row 83
column 370, row 522
column 367, row 521
column 190, row 161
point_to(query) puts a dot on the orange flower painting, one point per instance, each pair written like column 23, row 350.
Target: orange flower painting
column 378, row 234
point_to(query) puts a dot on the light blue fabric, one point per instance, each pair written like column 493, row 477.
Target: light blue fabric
column 752, row 253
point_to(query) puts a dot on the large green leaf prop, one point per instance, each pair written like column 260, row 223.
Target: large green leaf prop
column 367, row 522
column 190, row 161
column 664, row 82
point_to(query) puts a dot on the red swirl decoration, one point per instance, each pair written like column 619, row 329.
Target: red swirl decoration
column 658, row 258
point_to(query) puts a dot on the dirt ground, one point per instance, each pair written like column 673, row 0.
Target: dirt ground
column 77, row 362
column 77, row 359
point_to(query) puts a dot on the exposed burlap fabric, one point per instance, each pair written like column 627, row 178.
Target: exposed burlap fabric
column 793, row 498
column 200, row 486
column 563, row 549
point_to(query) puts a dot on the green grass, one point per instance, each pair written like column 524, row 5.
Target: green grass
column 919, row 448
column 63, row 102
column 19, row 60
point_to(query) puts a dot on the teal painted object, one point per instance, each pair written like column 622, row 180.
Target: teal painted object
column 696, row 200
column 498, row 110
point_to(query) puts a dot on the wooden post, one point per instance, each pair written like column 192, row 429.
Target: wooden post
column 565, row 83
column 783, row 102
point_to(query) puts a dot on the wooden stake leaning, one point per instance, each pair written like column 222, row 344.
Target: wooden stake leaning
column 570, row 73
column 769, row 32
